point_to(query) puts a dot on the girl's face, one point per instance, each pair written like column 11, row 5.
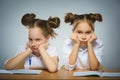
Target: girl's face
column 36, row 38
column 83, row 32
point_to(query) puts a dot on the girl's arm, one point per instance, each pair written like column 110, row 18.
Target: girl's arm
column 74, row 52
column 93, row 61
column 94, row 64
column 13, row 62
column 50, row 62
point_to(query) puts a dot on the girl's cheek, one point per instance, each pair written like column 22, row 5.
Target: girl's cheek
column 88, row 37
column 30, row 45
column 39, row 43
column 79, row 36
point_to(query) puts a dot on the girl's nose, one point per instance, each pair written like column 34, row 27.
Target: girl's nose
column 33, row 43
column 83, row 36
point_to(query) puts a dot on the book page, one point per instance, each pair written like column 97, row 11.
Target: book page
column 87, row 73
column 26, row 71
column 5, row 72
column 20, row 71
column 110, row 74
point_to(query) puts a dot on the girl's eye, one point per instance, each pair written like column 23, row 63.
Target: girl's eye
column 79, row 32
column 30, row 39
column 38, row 39
column 89, row 32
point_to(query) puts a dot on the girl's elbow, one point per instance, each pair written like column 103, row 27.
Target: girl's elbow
column 52, row 70
column 94, row 68
column 7, row 67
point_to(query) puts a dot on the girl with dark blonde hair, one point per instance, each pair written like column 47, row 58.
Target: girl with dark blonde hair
column 83, row 50
column 38, row 53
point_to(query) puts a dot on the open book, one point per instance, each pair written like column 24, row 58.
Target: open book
column 20, row 71
column 96, row 73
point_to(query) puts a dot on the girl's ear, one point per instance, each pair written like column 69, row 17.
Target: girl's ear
column 92, row 32
column 48, row 38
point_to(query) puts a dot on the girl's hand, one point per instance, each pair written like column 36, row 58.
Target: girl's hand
column 28, row 47
column 93, row 37
column 74, row 38
column 43, row 47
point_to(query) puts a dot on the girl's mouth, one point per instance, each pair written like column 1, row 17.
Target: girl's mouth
column 34, row 48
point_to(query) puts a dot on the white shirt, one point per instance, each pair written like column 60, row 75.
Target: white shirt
column 82, row 59
column 36, row 62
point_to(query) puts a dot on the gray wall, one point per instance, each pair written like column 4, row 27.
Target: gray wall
column 13, row 33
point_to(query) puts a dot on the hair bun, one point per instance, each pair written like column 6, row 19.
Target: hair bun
column 69, row 18
column 27, row 19
column 53, row 22
column 96, row 16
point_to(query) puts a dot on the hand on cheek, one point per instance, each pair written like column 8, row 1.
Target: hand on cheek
column 92, row 38
column 74, row 37
column 28, row 47
column 43, row 46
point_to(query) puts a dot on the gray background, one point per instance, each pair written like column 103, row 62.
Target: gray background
column 13, row 33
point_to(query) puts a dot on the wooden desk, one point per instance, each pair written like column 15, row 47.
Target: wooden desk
column 61, row 74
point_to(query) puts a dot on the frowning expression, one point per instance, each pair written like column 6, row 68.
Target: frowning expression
column 83, row 31
column 36, row 38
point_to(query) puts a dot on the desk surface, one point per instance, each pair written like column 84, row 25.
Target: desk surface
column 61, row 74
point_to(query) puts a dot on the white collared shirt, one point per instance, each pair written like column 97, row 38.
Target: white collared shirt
column 36, row 62
column 82, row 59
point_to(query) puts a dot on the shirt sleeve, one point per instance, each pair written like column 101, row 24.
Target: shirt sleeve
column 68, row 66
column 99, row 51
column 18, row 51
column 66, row 52
column 52, row 51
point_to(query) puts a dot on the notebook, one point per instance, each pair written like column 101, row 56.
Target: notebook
column 96, row 73
column 20, row 71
